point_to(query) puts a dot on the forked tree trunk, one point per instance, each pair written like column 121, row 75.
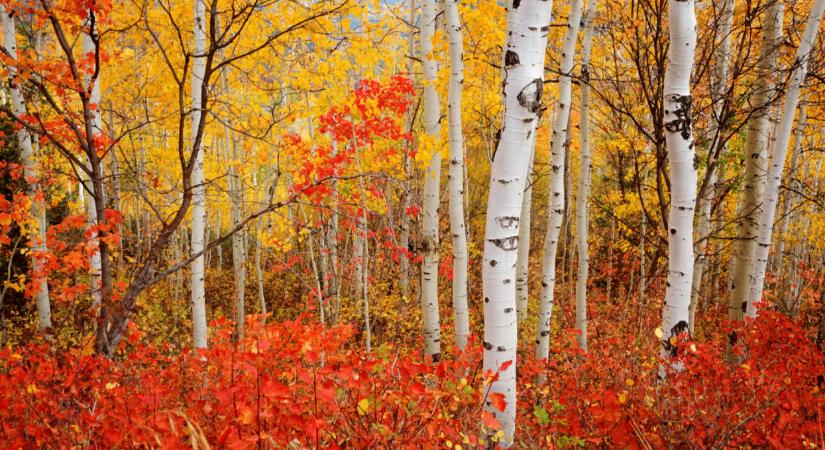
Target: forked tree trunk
column 528, row 23
column 198, row 293
column 756, row 164
column 31, row 174
column 432, row 182
column 681, row 156
column 777, row 166
column 456, row 175
column 556, row 199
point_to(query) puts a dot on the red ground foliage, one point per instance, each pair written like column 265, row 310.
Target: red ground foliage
column 296, row 385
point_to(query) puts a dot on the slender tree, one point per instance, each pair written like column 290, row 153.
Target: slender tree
column 456, row 174
column 528, row 25
column 756, row 164
column 556, row 198
column 582, row 228
column 31, row 174
column 198, row 293
column 777, row 166
column 705, row 200
column 432, row 182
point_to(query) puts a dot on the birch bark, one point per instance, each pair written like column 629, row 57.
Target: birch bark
column 198, row 294
column 528, row 23
column 682, row 161
column 432, row 182
column 777, row 165
column 555, row 210
column 456, row 174
column 37, row 242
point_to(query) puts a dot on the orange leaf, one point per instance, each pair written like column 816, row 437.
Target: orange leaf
column 498, row 401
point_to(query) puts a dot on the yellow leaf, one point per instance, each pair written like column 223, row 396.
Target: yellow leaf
column 363, row 406
column 110, row 386
column 658, row 333
column 622, row 397
column 32, row 389
column 629, row 382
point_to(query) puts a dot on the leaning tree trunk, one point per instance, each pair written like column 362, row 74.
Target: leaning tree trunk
column 198, row 293
column 584, row 179
column 555, row 210
column 37, row 242
column 705, row 200
column 756, row 164
column 787, row 197
column 456, row 176
column 528, row 23
column 681, row 154
column 777, row 166
column 432, row 182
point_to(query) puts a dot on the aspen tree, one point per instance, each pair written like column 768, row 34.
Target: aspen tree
column 705, row 199
column 31, row 175
column 528, row 25
column 756, row 164
column 523, row 258
column 682, row 160
column 584, row 179
column 556, row 197
column 432, row 181
column 777, row 166
column 198, row 294
column 456, row 175
column 404, row 238
column 788, row 196
column 92, row 197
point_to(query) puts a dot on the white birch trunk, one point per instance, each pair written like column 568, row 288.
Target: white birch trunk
column 523, row 258
column 456, row 175
column 705, row 200
column 556, row 196
column 780, row 256
column 37, row 242
column 238, row 247
column 528, row 21
column 777, row 165
column 584, row 179
column 682, row 161
column 756, row 164
column 198, row 294
column 93, row 197
column 432, row 181
column 404, row 239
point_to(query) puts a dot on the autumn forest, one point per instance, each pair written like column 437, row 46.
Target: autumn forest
column 406, row 224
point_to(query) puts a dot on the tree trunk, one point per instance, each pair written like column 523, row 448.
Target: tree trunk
column 777, row 166
column 584, row 179
column 682, row 160
column 31, row 174
column 528, row 22
column 404, row 239
column 523, row 258
column 95, row 269
column 756, row 164
column 456, row 175
column 198, row 294
column 556, row 203
column 705, row 199
column 432, row 181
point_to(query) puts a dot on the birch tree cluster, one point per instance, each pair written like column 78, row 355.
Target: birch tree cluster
column 527, row 202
